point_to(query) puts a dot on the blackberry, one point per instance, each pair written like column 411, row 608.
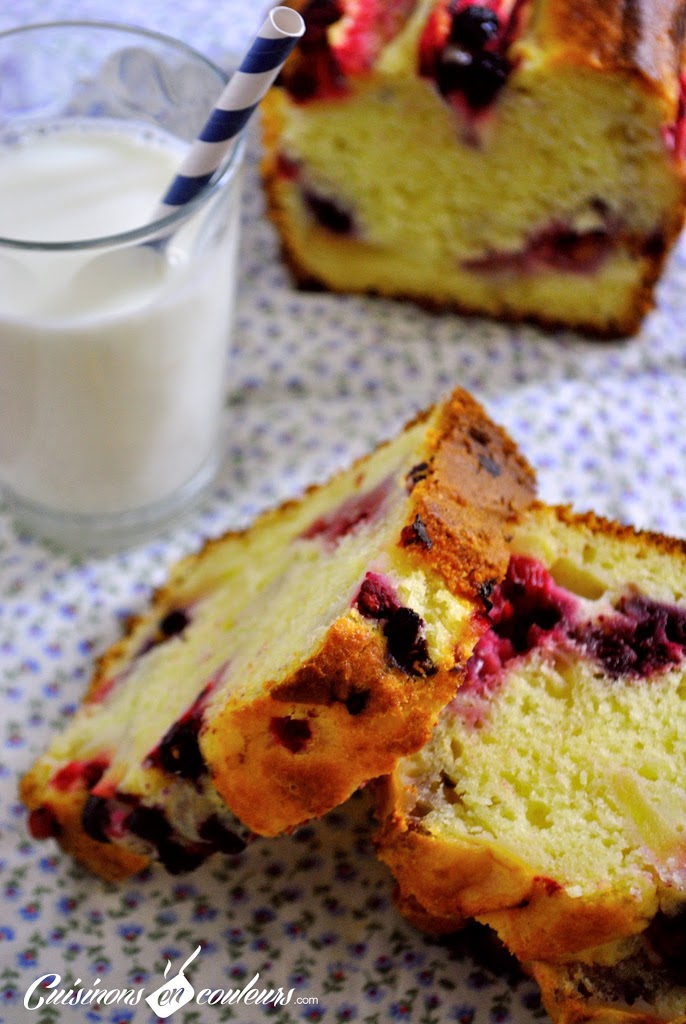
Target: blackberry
column 473, row 27
column 220, row 837
column 179, row 752
column 407, row 644
column 95, row 818
column 485, row 78
column 174, row 622
column 149, row 823
column 328, row 213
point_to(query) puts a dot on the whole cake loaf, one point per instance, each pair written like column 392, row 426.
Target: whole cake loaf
column 515, row 158
column 550, row 801
column 284, row 666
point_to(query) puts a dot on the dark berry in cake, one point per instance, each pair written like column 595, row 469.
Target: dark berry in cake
column 490, row 465
column 407, row 645
column 329, row 213
column 416, row 533
column 484, row 78
column 643, row 638
column 221, row 838
column 292, row 733
column 178, row 859
column 179, row 752
column 95, row 818
column 319, row 14
column 148, row 823
column 357, row 701
column 174, row 622
column 416, row 475
column 472, row 27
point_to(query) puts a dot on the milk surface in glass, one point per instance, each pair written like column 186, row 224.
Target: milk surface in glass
column 111, row 361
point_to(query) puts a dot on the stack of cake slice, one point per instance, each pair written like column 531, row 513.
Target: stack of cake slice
column 514, row 673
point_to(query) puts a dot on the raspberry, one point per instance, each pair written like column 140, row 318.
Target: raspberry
column 43, row 824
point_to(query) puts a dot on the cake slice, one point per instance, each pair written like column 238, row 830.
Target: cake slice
column 283, row 667
column 515, row 158
column 550, row 801
column 646, row 985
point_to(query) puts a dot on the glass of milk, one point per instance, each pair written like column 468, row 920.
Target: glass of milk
column 112, row 350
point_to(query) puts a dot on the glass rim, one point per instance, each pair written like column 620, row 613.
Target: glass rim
column 159, row 225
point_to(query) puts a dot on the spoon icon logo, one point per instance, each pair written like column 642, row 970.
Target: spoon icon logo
column 174, row 993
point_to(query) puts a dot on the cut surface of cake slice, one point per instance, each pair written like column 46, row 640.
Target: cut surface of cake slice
column 514, row 158
column 283, row 667
column 646, row 985
column 550, row 802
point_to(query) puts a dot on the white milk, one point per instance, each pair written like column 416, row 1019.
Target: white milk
column 111, row 365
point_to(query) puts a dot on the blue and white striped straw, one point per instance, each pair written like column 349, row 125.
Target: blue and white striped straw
column 266, row 56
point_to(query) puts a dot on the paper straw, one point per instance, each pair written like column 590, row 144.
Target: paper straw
column 266, row 56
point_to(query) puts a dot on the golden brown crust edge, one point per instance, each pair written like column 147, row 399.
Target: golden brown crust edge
column 455, row 879
column 271, row 788
column 644, row 38
column 567, row 1007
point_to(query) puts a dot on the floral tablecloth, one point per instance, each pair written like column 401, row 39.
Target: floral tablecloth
column 315, row 381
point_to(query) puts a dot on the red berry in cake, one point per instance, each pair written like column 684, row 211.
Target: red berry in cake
column 350, row 514
column 43, row 824
column 639, row 638
column 376, row 598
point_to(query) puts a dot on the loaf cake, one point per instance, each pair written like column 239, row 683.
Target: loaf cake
column 550, row 801
column 647, row 985
column 284, row 666
column 521, row 159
